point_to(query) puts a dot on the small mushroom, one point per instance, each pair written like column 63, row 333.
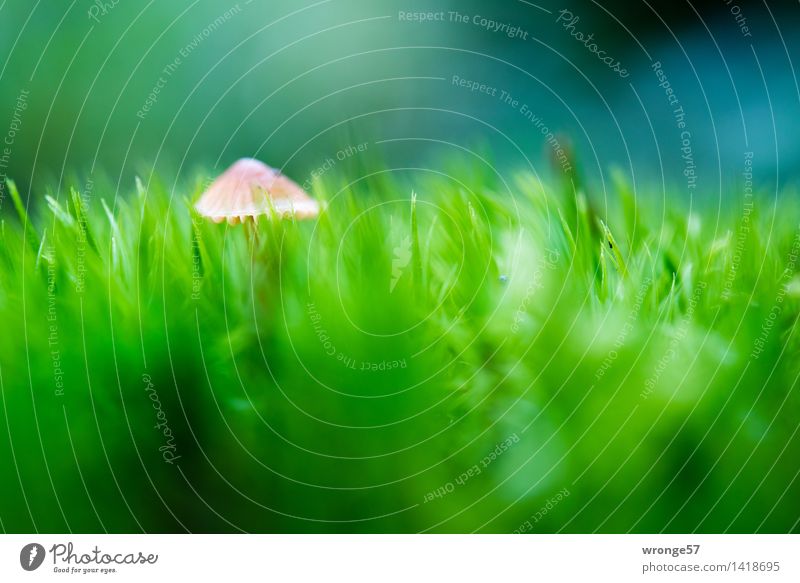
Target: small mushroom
column 249, row 189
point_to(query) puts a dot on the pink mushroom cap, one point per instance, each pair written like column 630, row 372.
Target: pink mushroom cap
column 249, row 189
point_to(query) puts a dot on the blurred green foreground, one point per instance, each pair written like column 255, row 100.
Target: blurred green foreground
column 492, row 356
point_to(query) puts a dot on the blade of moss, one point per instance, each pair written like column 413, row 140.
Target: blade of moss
column 30, row 234
column 614, row 250
column 415, row 251
column 83, row 220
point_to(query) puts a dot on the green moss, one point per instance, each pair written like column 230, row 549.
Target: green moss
column 345, row 374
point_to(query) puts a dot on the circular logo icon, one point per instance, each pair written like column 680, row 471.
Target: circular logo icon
column 31, row 556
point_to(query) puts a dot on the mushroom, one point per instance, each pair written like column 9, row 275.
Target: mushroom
column 249, row 189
